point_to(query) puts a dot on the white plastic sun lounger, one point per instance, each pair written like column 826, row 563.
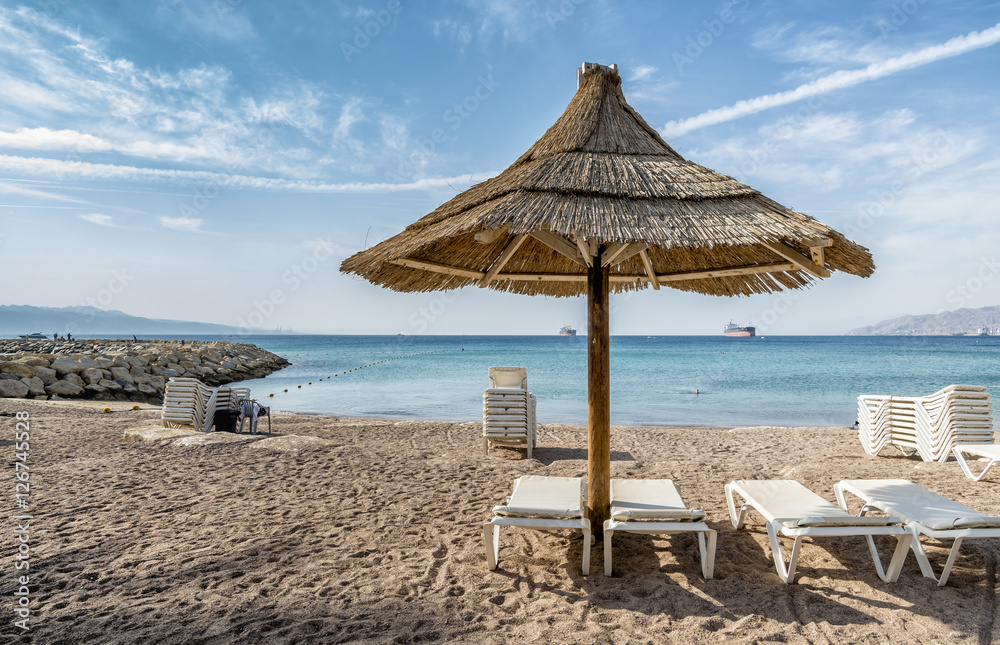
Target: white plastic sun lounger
column 656, row 506
column 795, row 511
column 508, row 410
column 989, row 451
column 923, row 513
column 541, row 503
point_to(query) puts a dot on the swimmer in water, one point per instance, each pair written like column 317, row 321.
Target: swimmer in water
column 696, row 391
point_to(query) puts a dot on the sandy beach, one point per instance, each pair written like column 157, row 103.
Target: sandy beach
column 373, row 534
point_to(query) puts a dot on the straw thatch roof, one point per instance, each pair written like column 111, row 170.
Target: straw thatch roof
column 602, row 175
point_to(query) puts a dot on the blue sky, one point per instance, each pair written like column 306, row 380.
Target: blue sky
column 217, row 160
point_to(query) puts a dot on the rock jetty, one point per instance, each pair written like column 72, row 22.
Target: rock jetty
column 118, row 370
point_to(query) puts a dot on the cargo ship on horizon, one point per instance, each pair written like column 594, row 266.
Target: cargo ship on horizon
column 567, row 331
column 736, row 330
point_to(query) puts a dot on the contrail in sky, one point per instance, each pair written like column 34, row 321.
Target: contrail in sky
column 838, row 80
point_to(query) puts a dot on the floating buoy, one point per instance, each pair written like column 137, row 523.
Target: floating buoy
column 271, row 394
column 300, row 386
column 310, row 382
column 286, row 389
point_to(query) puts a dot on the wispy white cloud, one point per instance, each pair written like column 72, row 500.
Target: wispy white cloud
column 7, row 187
column 184, row 224
column 97, row 218
column 830, row 152
column 46, row 139
column 641, row 72
column 40, row 166
column 838, row 80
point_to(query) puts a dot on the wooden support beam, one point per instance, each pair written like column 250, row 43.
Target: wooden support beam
column 618, row 253
column 505, row 257
column 725, row 273
column 438, row 268
column 598, row 395
column 653, row 280
column 584, row 249
column 560, row 245
column 631, row 251
column 614, row 250
column 801, row 261
column 817, row 246
column 662, row 277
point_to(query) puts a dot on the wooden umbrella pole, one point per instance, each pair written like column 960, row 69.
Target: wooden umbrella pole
column 598, row 395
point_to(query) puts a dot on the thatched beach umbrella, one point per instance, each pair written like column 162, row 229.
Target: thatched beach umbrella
column 602, row 204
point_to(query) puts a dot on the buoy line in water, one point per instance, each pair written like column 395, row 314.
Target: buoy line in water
column 360, row 367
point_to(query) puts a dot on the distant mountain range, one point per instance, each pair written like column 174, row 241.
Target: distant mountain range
column 16, row 320
column 946, row 323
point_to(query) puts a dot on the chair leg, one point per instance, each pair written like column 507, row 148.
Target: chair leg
column 707, row 553
column 587, row 539
column 943, row 580
column 492, row 545
column 736, row 520
column 787, row 574
column 898, row 556
column 957, row 451
column 920, row 554
column 608, row 533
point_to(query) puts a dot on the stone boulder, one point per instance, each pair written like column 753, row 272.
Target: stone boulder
column 75, row 380
column 93, row 375
column 109, row 385
column 35, row 386
column 47, row 374
column 34, row 361
column 88, row 362
column 120, row 374
column 63, row 388
column 67, row 365
column 17, row 369
column 13, row 389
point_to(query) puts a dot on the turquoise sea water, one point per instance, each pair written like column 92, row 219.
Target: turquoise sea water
column 772, row 380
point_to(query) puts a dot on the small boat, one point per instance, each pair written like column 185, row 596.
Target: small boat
column 33, row 336
column 736, row 330
column 567, row 331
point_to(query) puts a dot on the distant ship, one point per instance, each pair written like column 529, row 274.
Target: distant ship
column 567, row 331
column 736, row 330
column 34, row 336
column 982, row 331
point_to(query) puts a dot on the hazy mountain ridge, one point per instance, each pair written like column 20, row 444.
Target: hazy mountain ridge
column 960, row 321
column 16, row 320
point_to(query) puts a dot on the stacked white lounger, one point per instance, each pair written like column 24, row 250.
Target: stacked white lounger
column 929, row 426
column 189, row 402
column 508, row 410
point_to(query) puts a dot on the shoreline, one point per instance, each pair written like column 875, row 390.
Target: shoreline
column 373, row 533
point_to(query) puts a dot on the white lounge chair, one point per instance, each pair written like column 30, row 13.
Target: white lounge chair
column 793, row 510
column 188, row 401
column 923, row 513
column 508, row 410
column 926, row 425
column 656, row 506
column 990, row 451
column 541, row 503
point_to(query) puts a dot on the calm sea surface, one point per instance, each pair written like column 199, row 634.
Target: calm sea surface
column 772, row 380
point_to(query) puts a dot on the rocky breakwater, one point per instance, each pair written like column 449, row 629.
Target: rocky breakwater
column 116, row 370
